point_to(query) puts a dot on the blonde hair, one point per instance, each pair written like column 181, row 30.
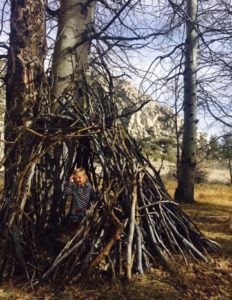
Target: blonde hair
column 81, row 170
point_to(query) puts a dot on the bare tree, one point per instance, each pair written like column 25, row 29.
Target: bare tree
column 213, row 38
column 185, row 189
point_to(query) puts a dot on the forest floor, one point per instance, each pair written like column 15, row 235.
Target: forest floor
column 198, row 280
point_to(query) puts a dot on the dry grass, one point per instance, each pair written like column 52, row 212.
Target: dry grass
column 212, row 212
column 216, row 194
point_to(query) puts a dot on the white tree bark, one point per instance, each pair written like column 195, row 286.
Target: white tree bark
column 71, row 54
column 185, row 190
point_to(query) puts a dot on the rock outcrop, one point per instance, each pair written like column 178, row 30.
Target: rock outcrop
column 144, row 116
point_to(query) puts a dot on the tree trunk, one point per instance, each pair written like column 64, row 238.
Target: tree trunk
column 185, row 189
column 71, row 54
column 24, row 84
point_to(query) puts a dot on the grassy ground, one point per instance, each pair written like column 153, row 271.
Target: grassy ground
column 198, row 280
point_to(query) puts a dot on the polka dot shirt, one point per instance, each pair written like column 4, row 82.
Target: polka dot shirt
column 80, row 199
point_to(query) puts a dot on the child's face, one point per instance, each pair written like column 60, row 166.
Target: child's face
column 79, row 178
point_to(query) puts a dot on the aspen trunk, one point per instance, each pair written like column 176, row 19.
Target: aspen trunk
column 185, row 189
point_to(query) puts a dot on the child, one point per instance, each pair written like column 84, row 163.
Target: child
column 81, row 191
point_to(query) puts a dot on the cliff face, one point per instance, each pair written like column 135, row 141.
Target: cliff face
column 151, row 120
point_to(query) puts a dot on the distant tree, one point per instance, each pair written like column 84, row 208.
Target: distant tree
column 227, row 152
column 202, row 145
column 214, row 149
